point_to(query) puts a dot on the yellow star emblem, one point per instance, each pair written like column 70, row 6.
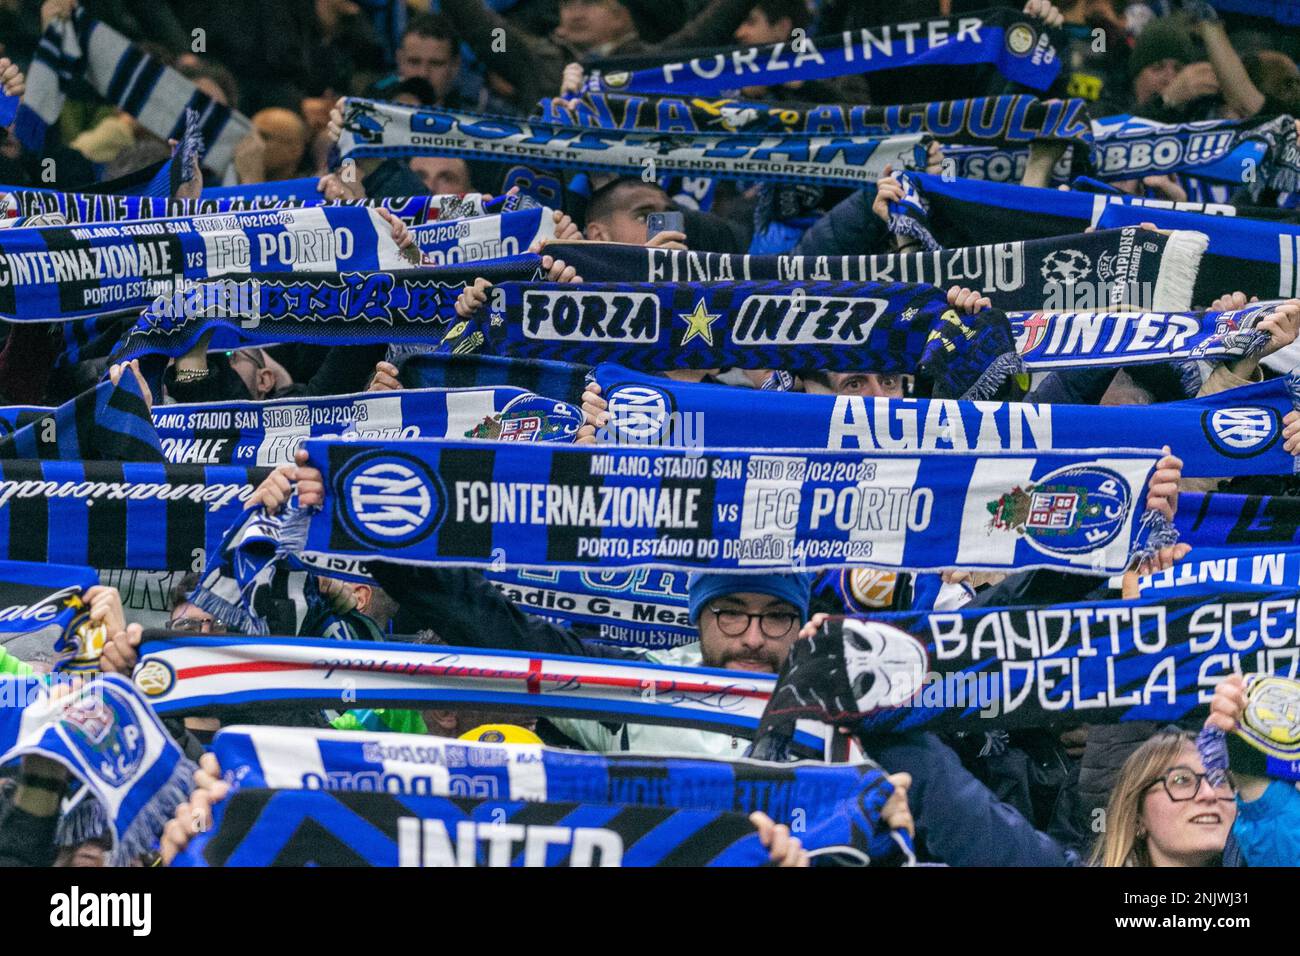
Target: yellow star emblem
column 699, row 324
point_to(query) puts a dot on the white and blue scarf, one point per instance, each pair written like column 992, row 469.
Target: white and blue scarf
column 828, row 803
column 111, row 741
column 388, row 129
column 57, row 273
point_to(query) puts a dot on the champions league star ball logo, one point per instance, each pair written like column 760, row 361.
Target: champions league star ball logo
column 1069, row 512
column 1065, row 266
column 389, row 499
column 886, row 667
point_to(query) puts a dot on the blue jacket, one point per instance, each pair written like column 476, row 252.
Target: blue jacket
column 1268, row 829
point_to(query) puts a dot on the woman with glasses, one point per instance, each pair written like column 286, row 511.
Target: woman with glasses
column 1165, row 810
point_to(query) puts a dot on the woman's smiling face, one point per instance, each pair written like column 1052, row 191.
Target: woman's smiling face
column 1187, row 832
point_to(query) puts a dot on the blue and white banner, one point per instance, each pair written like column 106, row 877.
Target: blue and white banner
column 1236, row 432
column 37, row 596
column 1020, row 46
column 1242, row 523
column 389, row 129
column 483, row 237
column 18, row 203
column 543, row 506
column 66, row 272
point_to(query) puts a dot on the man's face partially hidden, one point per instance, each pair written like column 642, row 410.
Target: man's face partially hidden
column 759, row 644
column 627, row 223
column 865, row 384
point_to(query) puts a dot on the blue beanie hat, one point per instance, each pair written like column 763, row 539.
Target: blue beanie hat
column 794, row 588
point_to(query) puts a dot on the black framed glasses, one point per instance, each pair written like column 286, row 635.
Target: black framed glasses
column 197, row 625
column 1184, row 783
column 773, row 624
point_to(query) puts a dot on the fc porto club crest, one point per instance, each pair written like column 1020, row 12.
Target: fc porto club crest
column 389, row 499
column 531, row 418
column 1069, row 512
column 104, row 729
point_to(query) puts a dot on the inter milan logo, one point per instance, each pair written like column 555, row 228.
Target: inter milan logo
column 1020, row 38
column 389, row 499
column 638, row 412
column 1272, row 716
column 1241, row 432
column 1065, row 266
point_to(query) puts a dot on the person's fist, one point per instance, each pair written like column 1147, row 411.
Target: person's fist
column 888, row 189
column 385, row 378
column 473, row 298
column 785, row 850
column 1228, row 703
column 121, row 652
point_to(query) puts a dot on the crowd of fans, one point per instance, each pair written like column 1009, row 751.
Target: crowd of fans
column 1128, row 794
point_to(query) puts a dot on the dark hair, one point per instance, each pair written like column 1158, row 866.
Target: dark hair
column 434, row 26
column 820, row 376
column 181, row 590
column 604, row 200
column 774, row 10
column 418, row 87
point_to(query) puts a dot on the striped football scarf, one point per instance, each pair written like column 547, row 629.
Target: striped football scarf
column 106, row 423
column 1100, row 662
column 565, row 507
column 56, row 273
column 18, row 203
column 83, row 49
column 1140, row 267
column 1022, row 49
column 827, row 803
column 1235, row 432
column 198, row 674
column 387, row 129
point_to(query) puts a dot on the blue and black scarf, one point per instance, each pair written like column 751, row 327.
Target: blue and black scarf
column 1021, row 47
column 84, row 51
column 564, row 507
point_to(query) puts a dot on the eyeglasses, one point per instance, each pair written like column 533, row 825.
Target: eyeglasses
column 197, row 625
column 1184, row 783
column 773, row 624
column 253, row 355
